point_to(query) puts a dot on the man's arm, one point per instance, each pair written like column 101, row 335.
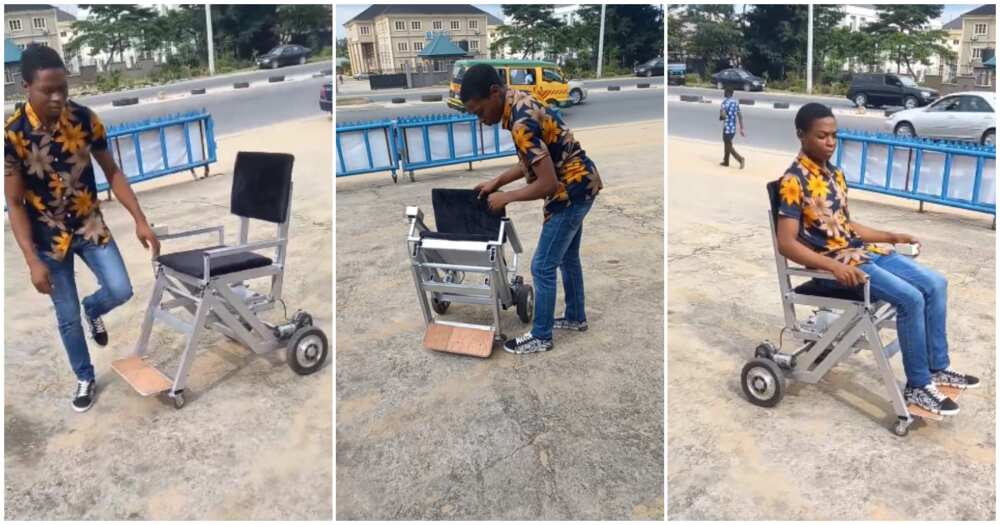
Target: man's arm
column 123, row 191
column 545, row 183
column 20, row 225
column 739, row 118
column 790, row 246
column 868, row 234
column 509, row 175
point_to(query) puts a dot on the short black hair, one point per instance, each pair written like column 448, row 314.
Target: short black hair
column 728, row 92
column 36, row 57
column 809, row 113
column 477, row 81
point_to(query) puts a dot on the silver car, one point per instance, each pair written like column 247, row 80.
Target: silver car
column 968, row 116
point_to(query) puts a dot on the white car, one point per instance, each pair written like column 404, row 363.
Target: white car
column 577, row 92
column 969, row 115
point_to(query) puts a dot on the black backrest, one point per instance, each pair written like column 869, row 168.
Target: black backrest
column 463, row 212
column 262, row 185
column 774, row 196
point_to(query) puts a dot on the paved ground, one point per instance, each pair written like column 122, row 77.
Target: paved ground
column 575, row 433
column 765, row 96
column 825, row 452
column 253, row 442
column 353, row 88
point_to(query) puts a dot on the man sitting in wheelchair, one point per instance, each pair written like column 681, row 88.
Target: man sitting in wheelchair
column 815, row 229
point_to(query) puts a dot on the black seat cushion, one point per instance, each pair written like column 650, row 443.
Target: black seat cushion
column 462, row 215
column 831, row 289
column 192, row 262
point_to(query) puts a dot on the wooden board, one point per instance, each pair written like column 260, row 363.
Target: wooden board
column 459, row 340
column 949, row 391
column 144, row 378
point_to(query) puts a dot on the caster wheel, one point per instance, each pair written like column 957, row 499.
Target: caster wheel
column 765, row 350
column 901, row 428
column 302, row 319
column 439, row 306
column 178, row 400
column 524, row 296
column 763, row 382
column 307, row 350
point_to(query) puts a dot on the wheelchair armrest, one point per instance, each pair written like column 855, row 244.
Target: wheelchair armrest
column 248, row 247
column 190, row 233
column 822, row 274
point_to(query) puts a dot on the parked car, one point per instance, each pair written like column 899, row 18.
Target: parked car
column 737, row 78
column 577, row 92
column 676, row 74
column 969, row 115
column 887, row 89
column 650, row 68
column 283, row 56
column 326, row 96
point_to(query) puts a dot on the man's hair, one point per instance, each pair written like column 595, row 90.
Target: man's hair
column 809, row 113
column 728, row 92
column 477, row 81
column 36, row 57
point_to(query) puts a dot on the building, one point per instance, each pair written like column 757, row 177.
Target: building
column 857, row 16
column 32, row 24
column 948, row 68
column 64, row 24
column 978, row 42
column 383, row 38
column 11, row 66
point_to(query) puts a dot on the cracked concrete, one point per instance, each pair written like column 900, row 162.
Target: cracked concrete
column 575, row 433
column 825, row 451
column 254, row 440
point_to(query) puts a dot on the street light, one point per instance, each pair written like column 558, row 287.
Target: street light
column 211, row 47
column 809, row 55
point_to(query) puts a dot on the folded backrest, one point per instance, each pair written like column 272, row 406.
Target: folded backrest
column 262, row 186
column 462, row 212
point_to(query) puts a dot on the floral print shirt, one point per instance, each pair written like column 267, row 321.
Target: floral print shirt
column 817, row 197
column 60, row 190
column 539, row 132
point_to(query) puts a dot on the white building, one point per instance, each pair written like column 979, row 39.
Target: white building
column 857, row 16
column 89, row 57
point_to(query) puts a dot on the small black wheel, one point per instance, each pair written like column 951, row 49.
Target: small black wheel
column 901, row 428
column 765, row 350
column 524, row 296
column 439, row 306
column 178, row 398
column 302, row 319
column 763, row 382
column 307, row 350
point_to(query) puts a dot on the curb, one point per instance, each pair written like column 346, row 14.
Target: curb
column 278, row 78
column 241, row 85
column 781, row 105
column 398, row 100
column 352, row 101
column 690, row 98
column 131, row 101
column 642, row 86
column 199, row 91
column 747, row 102
column 614, row 88
column 431, row 98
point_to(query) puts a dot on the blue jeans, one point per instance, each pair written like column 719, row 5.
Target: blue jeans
column 115, row 289
column 559, row 247
column 920, row 296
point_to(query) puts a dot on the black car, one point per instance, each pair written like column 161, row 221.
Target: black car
column 651, row 68
column 737, row 78
column 283, row 56
column 326, row 96
column 887, row 89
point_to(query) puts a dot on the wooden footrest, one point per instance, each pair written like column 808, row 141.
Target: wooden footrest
column 949, row 391
column 144, row 378
column 459, row 340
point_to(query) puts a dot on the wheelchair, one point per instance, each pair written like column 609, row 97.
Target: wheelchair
column 843, row 322
column 465, row 261
column 209, row 285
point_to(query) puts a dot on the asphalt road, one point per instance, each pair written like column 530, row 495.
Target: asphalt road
column 389, row 94
column 600, row 108
column 763, row 96
column 765, row 128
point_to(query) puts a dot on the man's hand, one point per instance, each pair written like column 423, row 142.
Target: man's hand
column 904, row 238
column 742, row 134
column 147, row 238
column 486, row 187
column 40, row 277
column 848, row 275
column 497, row 201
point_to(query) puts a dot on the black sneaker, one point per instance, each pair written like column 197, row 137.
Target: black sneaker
column 723, row 164
column 527, row 344
column 85, row 393
column 931, row 399
column 562, row 324
column 97, row 331
column 742, row 164
column 948, row 377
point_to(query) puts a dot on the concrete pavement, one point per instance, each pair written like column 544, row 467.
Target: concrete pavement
column 254, row 441
column 825, row 452
column 766, row 97
column 574, row 433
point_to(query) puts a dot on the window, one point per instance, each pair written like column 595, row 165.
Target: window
column 417, row 46
column 415, row 25
column 983, row 78
column 437, row 25
column 977, row 52
column 979, row 29
column 975, row 104
column 364, row 30
column 400, row 25
column 7, row 77
column 401, row 46
column 473, row 44
column 946, row 104
column 551, row 75
column 473, row 24
column 38, row 22
column 14, row 24
column 62, row 34
column 456, row 25
column 522, row 77
column 954, row 42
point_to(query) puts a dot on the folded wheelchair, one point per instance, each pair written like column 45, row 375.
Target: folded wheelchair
column 465, row 261
column 844, row 321
column 210, row 285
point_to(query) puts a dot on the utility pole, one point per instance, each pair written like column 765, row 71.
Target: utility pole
column 809, row 55
column 211, row 46
column 600, row 44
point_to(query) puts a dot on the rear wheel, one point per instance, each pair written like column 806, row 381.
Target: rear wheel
column 525, row 299
column 577, row 96
column 302, row 60
column 989, row 138
column 860, row 100
column 746, row 87
column 718, row 85
column 763, row 382
column 910, row 102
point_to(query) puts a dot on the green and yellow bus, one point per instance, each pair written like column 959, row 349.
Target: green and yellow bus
column 544, row 80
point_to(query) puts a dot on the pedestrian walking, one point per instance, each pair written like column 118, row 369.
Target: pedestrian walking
column 730, row 115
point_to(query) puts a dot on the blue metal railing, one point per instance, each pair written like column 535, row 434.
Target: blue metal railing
column 162, row 146
column 414, row 143
column 957, row 174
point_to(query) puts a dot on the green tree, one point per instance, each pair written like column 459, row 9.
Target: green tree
column 112, row 29
column 904, row 31
column 675, row 30
column 713, row 33
column 531, row 30
column 310, row 24
column 777, row 37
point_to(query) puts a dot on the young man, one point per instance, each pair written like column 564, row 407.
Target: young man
column 815, row 229
column 53, row 207
column 730, row 115
column 557, row 170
